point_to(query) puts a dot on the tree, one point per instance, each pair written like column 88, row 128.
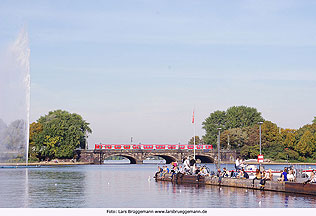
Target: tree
column 59, row 135
column 314, row 121
column 234, row 117
column 242, row 116
column 35, row 129
column 306, row 145
column 211, row 124
column 198, row 141
column 235, row 136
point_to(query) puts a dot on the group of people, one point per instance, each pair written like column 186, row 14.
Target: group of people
column 189, row 167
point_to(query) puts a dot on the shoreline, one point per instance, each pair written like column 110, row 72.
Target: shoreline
column 51, row 163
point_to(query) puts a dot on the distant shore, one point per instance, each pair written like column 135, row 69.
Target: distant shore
column 46, row 163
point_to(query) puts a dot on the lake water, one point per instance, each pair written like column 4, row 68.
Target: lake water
column 126, row 185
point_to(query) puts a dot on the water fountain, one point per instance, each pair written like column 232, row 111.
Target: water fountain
column 15, row 100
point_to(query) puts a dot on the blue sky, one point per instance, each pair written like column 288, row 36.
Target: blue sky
column 137, row 68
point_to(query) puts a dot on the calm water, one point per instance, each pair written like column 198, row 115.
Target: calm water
column 125, row 185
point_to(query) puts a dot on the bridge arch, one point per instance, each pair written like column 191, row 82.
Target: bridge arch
column 167, row 158
column 204, row 158
column 130, row 158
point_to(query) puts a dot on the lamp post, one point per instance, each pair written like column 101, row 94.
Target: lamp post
column 218, row 148
column 260, row 123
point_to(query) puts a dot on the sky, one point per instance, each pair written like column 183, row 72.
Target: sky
column 138, row 68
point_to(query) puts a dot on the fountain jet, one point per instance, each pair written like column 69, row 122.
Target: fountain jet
column 15, row 100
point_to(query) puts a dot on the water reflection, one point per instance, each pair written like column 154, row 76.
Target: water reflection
column 127, row 186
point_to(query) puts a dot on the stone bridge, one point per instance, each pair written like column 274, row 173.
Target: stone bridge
column 137, row 156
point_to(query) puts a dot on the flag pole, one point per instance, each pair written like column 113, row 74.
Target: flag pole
column 193, row 136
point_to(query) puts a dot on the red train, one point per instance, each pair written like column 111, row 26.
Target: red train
column 150, row 146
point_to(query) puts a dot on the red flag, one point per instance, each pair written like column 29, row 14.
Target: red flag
column 193, row 118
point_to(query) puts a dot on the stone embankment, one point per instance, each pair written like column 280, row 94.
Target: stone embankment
column 290, row 187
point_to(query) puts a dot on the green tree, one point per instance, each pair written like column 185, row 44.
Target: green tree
column 242, row 116
column 314, row 121
column 62, row 132
column 234, row 117
column 250, row 152
column 236, row 137
column 211, row 124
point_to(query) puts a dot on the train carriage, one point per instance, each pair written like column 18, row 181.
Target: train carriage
column 151, row 147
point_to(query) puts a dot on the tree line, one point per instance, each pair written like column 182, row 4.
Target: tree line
column 240, row 131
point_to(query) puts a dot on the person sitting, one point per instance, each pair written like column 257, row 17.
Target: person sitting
column 233, row 174
column 239, row 174
column 290, row 176
column 158, row 172
column 245, row 174
column 225, row 173
column 284, row 175
column 203, row 172
column 186, row 165
column 270, row 175
column 257, row 176
column 312, row 178
column 219, row 173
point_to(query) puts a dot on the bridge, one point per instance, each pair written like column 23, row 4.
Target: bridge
column 137, row 156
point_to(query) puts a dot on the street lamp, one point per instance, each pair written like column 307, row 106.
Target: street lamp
column 218, row 148
column 260, row 123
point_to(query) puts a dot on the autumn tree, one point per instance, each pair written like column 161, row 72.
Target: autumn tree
column 306, row 144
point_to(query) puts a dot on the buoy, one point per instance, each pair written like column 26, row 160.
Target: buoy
column 149, row 178
column 108, row 183
column 246, row 191
column 259, row 203
column 220, row 189
column 55, row 184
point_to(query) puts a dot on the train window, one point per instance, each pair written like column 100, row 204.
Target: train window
column 127, row 147
column 190, row 146
column 117, row 146
column 160, row 147
column 182, row 146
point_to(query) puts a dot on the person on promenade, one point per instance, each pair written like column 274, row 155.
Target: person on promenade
column 241, row 163
column 257, row 176
column 237, row 164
